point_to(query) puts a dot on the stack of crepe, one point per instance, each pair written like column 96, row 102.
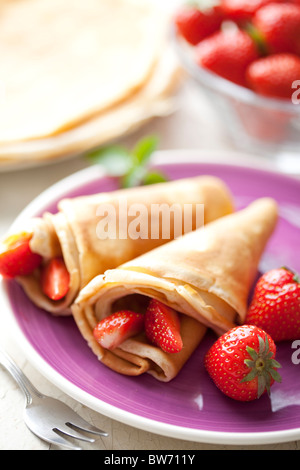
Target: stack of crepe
column 205, row 275
column 78, row 73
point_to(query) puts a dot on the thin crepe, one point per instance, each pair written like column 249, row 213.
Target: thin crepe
column 73, row 232
column 66, row 61
column 157, row 98
column 206, row 275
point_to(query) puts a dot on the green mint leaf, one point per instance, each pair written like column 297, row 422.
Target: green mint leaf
column 129, row 166
column 134, row 177
column 115, row 159
column 144, row 148
column 153, row 177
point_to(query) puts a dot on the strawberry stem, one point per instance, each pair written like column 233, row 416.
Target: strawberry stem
column 296, row 277
column 262, row 366
column 258, row 39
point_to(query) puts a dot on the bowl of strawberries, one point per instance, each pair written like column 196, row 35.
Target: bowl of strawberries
column 245, row 54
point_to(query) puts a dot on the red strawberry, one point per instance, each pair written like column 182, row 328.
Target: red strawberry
column 242, row 363
column 55, row 279
column 279, row 26
column 275, row 305
column 228, row 54
column 242, row 11
column 117, row 327
column 162, row 327
column 16, row 257
column 274, row 75
column 194, row 24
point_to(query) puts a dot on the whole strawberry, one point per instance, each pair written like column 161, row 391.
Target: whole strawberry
column 242, row 11
column 275, row 305
column 195, row 24
column 279, row 27
column 242, row 363
column 227, row 54
column 274, row 75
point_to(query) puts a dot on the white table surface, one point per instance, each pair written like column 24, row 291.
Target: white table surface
column 192, row 126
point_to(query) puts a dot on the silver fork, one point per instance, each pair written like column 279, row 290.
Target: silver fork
column 49, row 418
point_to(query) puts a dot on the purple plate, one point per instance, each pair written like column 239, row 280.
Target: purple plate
column 190, row 407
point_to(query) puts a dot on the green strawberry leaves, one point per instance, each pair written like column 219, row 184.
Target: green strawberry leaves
column 262, row 366
column 130, row 166
column 258, row 39
column 296, row 277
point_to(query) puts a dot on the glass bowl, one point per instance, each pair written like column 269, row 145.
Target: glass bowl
column 265, row 126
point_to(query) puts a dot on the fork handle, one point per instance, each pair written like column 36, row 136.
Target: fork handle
column 21, row 379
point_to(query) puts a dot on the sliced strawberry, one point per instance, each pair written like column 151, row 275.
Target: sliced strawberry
column 55, row 279
column 117, row 327
column 162, row 327
column 16, row 257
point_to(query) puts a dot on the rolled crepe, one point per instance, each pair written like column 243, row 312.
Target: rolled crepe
column 75, row 231
column 205, row 275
